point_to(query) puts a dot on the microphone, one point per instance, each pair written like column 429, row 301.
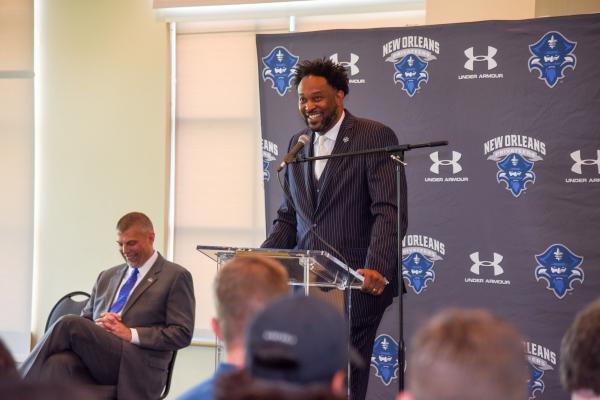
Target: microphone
column 436, row 144
column 302, row 140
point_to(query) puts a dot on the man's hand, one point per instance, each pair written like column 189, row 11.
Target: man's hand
column 113, row 324
column 374, row 282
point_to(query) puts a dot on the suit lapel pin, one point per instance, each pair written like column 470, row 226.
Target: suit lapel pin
column 346, row 139
column 150, row 280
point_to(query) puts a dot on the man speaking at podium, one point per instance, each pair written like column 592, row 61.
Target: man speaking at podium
column 345, row 206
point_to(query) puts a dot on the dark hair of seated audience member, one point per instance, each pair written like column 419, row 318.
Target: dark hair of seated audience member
column 580, row 352
column 8, row 369
column 238, row 385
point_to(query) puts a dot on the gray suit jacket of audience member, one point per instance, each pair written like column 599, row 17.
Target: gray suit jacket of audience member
column 161, row 308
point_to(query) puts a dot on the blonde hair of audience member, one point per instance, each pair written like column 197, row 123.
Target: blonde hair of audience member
column 242, row 288
column 580, row 355
column 466, row 355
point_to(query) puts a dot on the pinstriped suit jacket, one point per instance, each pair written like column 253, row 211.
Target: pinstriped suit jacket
column 354, row 208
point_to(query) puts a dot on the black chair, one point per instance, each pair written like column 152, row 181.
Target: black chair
column 67, row 305
column 109, row 392
column 169, row 376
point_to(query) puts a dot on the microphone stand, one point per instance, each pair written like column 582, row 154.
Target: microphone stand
column 396, row 153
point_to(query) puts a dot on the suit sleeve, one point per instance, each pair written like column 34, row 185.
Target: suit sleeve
column 283, row 230
column 381, row 176
column 88, row 309
column 178, row 328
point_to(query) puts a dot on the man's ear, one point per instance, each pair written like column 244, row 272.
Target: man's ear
column 339, row 98
column 216, row 328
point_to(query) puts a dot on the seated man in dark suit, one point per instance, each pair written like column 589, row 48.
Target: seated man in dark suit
column 139, row 313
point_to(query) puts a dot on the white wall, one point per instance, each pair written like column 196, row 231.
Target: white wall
column 101, row 137
column 16, row 172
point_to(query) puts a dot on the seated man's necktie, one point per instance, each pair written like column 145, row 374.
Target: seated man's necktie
column 124, row 292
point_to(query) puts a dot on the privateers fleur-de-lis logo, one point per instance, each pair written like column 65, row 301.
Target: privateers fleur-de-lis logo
column 559, row 267
column 551, row 55
column 418, row 271
column 535, row 384
column 385, row 358
column 541, row 359
column 279, row 69
column 515, row 156
column 410, row 55
column 419, row 254
column 410, row 72
column 516, row 172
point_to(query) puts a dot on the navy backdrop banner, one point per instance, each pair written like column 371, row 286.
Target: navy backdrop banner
column 507, row 216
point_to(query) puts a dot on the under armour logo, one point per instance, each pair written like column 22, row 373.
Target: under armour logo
column 478, row 263
column 576, row 156
column 349, row 65
column 435, row 167
column 491, row 63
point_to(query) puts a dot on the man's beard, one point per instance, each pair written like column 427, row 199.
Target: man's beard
column 326, row 123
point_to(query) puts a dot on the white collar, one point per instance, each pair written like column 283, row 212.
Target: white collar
column 333, row 132
column 146, row 266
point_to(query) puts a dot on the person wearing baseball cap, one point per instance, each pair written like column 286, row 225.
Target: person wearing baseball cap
column 297, row 347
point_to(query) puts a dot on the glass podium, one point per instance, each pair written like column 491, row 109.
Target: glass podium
column 311, row 273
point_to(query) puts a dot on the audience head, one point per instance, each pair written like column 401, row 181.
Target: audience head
column 46, row 391
column 467, row 355
column 135, row 237
column 296, row 347
column 8, row 369
column 242, row 288
column 580, row 355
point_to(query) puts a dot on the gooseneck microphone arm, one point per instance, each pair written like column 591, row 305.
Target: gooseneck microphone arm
column 389, row 150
